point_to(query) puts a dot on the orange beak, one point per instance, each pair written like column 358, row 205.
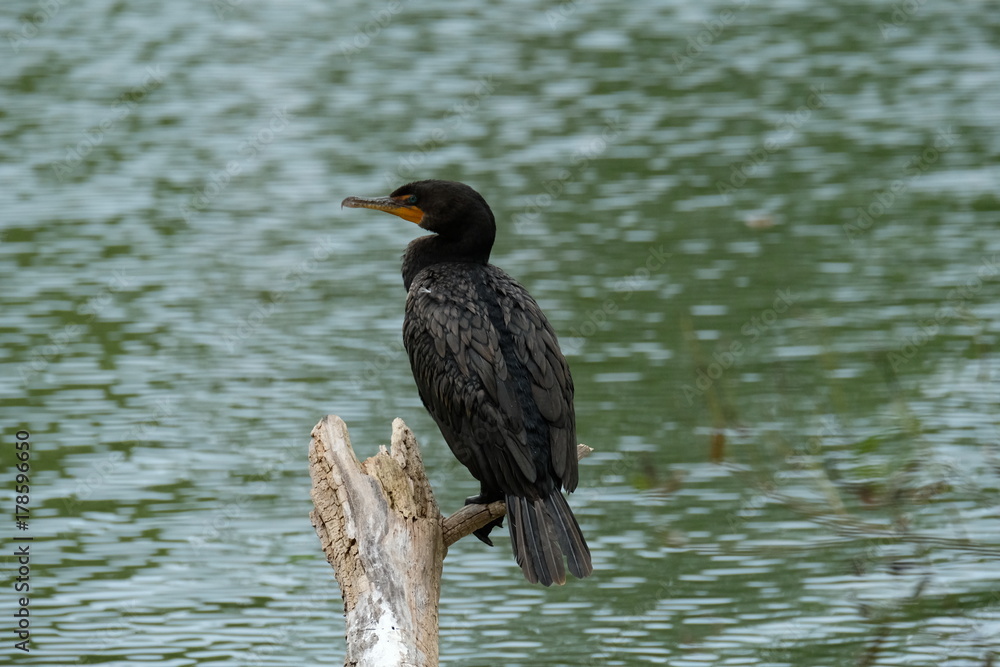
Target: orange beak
column 387, row 204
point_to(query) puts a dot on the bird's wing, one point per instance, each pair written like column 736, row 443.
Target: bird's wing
column 551, row 385
column 494, row 409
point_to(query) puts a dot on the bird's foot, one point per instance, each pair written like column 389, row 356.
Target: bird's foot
column 484, row 533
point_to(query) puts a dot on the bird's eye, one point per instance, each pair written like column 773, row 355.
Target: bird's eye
column 411, row 200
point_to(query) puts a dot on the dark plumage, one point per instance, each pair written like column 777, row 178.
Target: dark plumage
column 489, row 370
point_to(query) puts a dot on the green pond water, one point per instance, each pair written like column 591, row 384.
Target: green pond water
column 767, row 235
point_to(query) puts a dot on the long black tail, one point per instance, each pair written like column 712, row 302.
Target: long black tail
column 542, row 532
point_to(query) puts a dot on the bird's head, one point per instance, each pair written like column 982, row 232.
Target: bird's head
column 447, row 208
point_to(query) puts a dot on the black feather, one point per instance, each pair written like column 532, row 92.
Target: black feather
column 489, row 370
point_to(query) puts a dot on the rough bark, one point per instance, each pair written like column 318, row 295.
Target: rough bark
column 380, row 528
column 382, row 532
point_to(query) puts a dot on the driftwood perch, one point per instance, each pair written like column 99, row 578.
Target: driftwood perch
column 382, row 532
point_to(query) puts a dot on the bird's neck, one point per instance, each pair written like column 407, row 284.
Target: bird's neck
column 434, row 249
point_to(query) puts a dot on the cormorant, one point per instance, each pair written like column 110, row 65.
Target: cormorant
column 489, row 370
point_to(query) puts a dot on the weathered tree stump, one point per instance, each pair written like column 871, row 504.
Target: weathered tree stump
column 382, row 532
